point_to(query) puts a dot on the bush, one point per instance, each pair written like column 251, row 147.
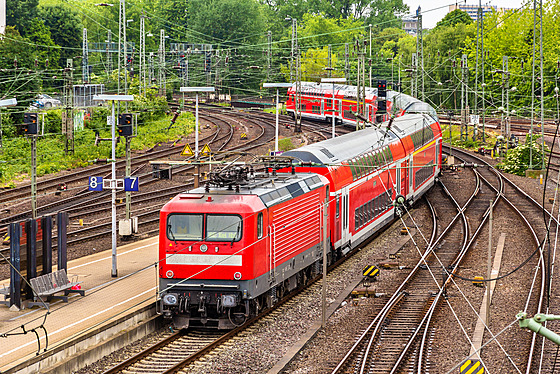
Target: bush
column 286, row 144
column 517, row 160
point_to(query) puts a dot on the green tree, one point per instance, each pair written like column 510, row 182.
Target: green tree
column 227, row 23
column 48, row 53
column 454, row 17
column 385, row 13
column 20, row 14
column 66, row 29
column 17, row 58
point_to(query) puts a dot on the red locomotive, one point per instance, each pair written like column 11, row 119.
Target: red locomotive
column 317, row 102
column 235, row 246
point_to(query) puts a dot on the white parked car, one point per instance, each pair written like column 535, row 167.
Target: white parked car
column 44, row 101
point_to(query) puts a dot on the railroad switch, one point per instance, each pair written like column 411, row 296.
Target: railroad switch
column 478, row 281
column 389, row 264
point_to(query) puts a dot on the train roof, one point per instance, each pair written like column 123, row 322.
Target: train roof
column 271, row 189
column 410, row 104
column 350, row 145
column 340, row 89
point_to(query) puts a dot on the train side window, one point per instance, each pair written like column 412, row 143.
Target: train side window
column 259, row 225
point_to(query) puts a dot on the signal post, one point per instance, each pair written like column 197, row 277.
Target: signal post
column 197, row 90
column 113, row 181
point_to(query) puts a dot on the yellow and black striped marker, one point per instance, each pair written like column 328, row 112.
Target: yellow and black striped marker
column 6, row 238
column 472, row 367
column 371, row 271
column 243, row 136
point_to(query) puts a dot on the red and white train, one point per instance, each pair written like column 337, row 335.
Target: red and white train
column 233, row 247
column 317, row 103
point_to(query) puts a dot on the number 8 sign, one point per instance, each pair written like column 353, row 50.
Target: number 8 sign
column 95, row 183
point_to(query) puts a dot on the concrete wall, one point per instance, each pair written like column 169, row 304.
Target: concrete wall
column 96, row 344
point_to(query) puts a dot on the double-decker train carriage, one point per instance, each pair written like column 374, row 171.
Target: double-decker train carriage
column 226, row 247
column 233, row 247
column 317, row 102
column 370, row 168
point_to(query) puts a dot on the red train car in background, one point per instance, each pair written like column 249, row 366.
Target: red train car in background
column 235, row 246
column 317, row 103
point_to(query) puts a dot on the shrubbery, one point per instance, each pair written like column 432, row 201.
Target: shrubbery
column 153, row 124
column 517, row 160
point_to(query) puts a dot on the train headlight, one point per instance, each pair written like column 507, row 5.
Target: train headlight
column 237, row 276
column 170, row 299
column 169, row 274
column 229, row 301
column 203, row 248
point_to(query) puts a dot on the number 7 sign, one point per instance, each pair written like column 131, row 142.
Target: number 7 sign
column 131, row 184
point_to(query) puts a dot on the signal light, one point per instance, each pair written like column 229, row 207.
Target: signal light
column 125, row 124
column 31, row 124
column 381, row 88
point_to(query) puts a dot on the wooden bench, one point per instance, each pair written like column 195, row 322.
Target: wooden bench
column 46, row 286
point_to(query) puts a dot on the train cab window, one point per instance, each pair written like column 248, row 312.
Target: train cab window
column 221, row 228
column 260, row 226
column 184, row 227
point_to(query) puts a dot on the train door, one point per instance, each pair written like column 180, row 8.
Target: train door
column 336, row 224
column 322, row 107
column 345, row 218
column 340, row 110
column 404, row 178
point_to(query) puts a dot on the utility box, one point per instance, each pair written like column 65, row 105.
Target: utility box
column 127, row 227
column 135, row 225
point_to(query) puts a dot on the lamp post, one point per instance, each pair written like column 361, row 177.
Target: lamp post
column 277, row 86
column 112, row 99
column 333, row 81
column 5, row 103
column 197, row 90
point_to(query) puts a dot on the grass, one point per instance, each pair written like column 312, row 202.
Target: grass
column 15, row 160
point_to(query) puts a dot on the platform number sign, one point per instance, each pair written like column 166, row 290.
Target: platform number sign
column 131, row 184
column 95, row 183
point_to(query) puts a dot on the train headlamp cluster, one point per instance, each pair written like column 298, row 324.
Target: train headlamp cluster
column 203, row 248
column 170, row 299
column 237, row 275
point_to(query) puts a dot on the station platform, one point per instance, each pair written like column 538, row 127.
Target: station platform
column 106, row 299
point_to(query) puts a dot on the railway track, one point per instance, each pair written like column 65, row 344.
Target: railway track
column 401, row 322
column 399, row 339
column 533, row 218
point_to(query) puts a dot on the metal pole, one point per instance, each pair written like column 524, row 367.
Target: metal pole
column 370, row 55
column 128, row 194
column 276, row 131
column 113, row 195
column 196, row 130
column 325, row 217
column 34, row 176
column 489, row 266
column 333, row 114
